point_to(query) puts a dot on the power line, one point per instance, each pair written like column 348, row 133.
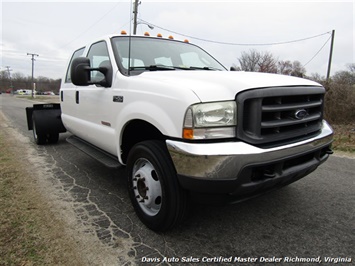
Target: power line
column 236, row 44
column 318, row 51
column 94, row 24
column 81, row 34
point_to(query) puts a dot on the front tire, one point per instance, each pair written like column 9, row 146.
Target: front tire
column 155, row 193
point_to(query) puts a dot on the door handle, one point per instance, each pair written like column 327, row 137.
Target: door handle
column 77, row 97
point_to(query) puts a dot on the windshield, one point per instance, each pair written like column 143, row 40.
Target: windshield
column 152, row 54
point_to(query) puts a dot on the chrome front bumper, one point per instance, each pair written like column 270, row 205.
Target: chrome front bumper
column 227, row 161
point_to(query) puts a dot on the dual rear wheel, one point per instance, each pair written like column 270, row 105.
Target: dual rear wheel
column 40, row 137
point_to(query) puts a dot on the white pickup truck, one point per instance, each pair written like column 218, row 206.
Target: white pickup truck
column 183, row 124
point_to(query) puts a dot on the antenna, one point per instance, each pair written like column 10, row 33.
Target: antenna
column 130, row 40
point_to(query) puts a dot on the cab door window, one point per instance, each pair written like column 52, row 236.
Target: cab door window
column 98, row 55
column 76, row 54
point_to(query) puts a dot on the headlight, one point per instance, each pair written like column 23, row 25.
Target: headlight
column 210, row 121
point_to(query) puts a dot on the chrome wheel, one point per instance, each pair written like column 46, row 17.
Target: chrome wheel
column 146, row 187
column 159, row 201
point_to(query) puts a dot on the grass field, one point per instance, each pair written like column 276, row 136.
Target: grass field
column 30, row 234
column 344, row 138
column 19, row 239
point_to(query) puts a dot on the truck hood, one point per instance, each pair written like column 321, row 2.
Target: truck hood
column 222, row 85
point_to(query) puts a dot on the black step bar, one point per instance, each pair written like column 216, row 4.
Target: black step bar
column 103, row 157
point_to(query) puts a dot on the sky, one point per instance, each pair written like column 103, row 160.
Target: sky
column 290, row 30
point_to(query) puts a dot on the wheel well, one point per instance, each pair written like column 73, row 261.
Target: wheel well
column 137, row 131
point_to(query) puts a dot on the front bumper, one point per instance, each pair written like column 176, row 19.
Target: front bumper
column 243, row 169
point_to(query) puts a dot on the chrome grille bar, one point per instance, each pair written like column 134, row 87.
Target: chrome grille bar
column 280, row 114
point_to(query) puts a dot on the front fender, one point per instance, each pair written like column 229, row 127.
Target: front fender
column 169, row 124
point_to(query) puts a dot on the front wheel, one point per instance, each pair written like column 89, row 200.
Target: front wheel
column 156, row 195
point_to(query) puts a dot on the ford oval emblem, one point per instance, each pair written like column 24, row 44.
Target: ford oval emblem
column 300, row 114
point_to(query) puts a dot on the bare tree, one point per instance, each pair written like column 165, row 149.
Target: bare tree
column 267, row 63
column 289, row 68
column 351, row 68
column 345, row 77
column 317, row 78
column 4, row 80
column 249, row 61
column 255, row 61
column 284, row 67
column 20, row 81
column 298, row 70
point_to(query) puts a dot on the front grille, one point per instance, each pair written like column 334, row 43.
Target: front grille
column 280, row 114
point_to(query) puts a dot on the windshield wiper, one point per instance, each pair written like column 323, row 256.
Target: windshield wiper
column 164, row 67
column 153, row 67
column 203, row 68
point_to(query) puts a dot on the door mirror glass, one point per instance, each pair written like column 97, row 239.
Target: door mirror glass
column 80, row 71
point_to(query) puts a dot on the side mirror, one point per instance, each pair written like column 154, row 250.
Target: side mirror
column 233, row 68
column 80, row 73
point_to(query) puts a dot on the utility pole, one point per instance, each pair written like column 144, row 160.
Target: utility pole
column 8, row 72
column 135, row 13
column 330, row 55
column 33, row 64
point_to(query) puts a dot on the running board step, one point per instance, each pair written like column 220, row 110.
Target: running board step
column 94, row 152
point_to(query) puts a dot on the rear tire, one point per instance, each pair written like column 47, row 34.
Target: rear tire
column 155, row 193
column 40, row 139
column 53, row 138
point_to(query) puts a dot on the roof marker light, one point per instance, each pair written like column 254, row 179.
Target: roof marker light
column 186, row 40
column 146, row 33
column 171, row 37
column 123, row 32
column 159, row 35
